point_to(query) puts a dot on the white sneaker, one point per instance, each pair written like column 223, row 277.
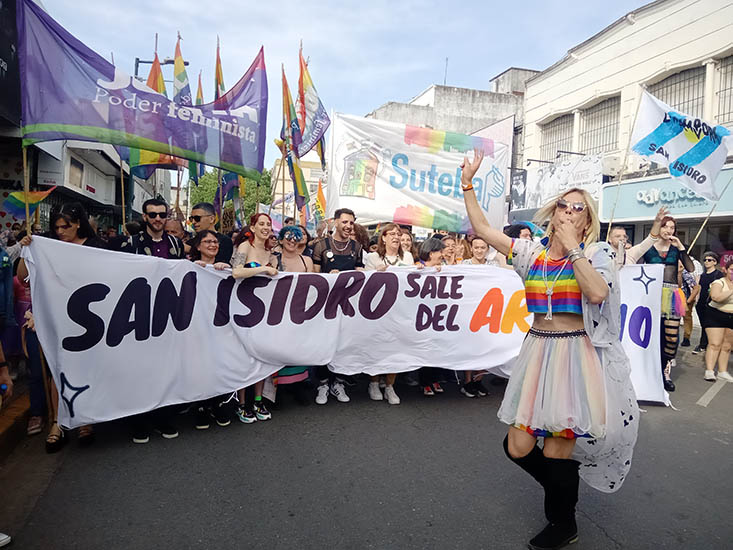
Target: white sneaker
column 710, row 375
column 391, row 396
column 339, row 392
column 322, row 395
column 4, row 539
column 374, row 392
column 725, row 376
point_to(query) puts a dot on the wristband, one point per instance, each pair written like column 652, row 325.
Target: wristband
column 575, row 254
column 468, row 187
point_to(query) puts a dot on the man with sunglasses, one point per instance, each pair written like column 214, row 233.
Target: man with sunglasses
column 203, row 216
column 153, row 240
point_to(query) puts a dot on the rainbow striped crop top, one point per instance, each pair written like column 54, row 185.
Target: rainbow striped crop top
column 566, row 295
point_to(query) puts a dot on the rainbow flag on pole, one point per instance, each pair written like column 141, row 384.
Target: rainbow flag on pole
column 14, row 205
column 320, row 210
column 312, row 115
column 181, row 87
column 219, row 89
column 290, row 134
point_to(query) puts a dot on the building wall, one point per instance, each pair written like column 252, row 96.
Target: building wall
column 512, row 81
column 643, row 48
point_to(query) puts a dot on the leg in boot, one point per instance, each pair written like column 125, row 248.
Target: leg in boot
column 561, row 496
column 533, row 462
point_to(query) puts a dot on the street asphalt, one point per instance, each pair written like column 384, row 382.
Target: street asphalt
column 429, row 473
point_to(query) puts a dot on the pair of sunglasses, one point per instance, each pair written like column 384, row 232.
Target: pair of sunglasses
column 197, row 219
column 576, row 207
column 153, row 215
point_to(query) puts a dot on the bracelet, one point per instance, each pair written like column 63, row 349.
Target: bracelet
column 575, row 254
column 653, row 236
column 468, row 187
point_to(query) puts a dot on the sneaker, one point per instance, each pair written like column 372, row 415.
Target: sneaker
column 467, row 390
column 410, row 379
column 322, row 394
column 261, row 411
column 437, row 388
column 202, row 419
column 480, row 390
column 245, row 416
column 220, row 414
column 339, row 392
column 697, row 350
column 4, row 539
column 725, row 376
column 427, row 390
column 35, row 425
column 375, row 394
column 391, row 395
column 685, row 343
column 140, row 436
column 167, row 431
column 710, row 376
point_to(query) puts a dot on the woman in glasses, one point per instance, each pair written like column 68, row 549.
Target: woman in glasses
column 711, row 272
column 570, row 384
column 389, row 253
column 668, row 251
column 253, row 256
column 69, row 223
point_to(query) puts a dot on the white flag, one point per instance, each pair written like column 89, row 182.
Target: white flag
column 693, row 150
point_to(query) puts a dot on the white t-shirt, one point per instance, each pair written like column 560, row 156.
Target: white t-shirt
column 373, row 261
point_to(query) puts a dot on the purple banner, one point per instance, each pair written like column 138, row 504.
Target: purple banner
column 70, row 92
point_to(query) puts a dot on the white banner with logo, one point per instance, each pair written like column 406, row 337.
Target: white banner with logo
column 548, row 180
column 386, row 171
column 124, row 334
column 641, row 318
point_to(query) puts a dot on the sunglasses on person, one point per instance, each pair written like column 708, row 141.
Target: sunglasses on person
column 153, row 215
column 576, row 207
column 197, row 219
column 709, row 260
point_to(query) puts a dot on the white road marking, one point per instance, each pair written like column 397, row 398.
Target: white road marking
column 707, row 397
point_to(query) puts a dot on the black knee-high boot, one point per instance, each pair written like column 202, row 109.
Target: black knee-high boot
column 561, row 496
column 533, row 463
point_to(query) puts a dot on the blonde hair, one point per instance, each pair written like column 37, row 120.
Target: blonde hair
column 592, row 231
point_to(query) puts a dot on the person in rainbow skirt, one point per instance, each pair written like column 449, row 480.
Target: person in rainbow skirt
column 570, row 384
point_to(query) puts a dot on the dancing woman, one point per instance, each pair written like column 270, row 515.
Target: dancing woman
column 668, row 250
column 570, row 384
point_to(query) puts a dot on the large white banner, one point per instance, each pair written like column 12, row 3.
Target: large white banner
column 386, row 171
column 641, row 318
column 125, row 334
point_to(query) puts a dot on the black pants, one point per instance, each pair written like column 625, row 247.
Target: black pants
column 427, row 375
column 701, row 310
column 323, row 374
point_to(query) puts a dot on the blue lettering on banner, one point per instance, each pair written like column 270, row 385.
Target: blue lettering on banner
column 639, row 326
column 445, row 183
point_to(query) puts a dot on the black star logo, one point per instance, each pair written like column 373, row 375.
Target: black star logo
column 645, row 280
column 73, row 390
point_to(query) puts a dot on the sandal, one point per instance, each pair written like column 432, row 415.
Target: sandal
column 55, row 439
column 35, row 425
column 86, row 435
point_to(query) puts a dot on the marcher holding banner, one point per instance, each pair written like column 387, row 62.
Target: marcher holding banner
column 570, row 383
column 668, row 250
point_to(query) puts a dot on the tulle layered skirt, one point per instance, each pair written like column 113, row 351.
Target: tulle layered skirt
column 557, row 387
column 674, row 304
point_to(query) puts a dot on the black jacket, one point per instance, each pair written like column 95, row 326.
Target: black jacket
column 142, row 243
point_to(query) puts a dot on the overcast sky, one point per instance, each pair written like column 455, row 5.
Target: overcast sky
column 362, row 54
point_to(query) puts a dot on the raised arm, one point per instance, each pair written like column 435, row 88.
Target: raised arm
column 492, row 236
column 635, row 253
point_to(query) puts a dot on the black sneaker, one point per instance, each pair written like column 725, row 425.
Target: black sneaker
column 202, row 419
column 261, row 411
column 697, row 350
column 467, row 389
column 167, row 431
column 685, row 343
column 480, row 390
column 140, row 435
column 220, row 414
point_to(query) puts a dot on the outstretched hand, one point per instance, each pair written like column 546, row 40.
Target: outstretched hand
column 657, row 225
column 469, row 168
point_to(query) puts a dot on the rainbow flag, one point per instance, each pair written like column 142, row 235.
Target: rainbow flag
column 320, row 210
column 290, row 134
column 195, row 170
column 14, row 205
column 219, row 89
column 312, row 116
column 181, row 87
column 144, row 163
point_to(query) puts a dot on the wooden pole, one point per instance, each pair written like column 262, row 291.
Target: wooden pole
column 623, row 166
column 179, row 177
column 26, row 191
column 273, row 184
column 124, row 198
column 283, row 203
column 705, row 222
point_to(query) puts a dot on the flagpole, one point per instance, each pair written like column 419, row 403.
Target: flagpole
column 623, row 166
column 122, row 190
column 704, row 223
column 221, row 199
column 26, row 189
column 273, row 184
column 179, row 177
column 283, row 204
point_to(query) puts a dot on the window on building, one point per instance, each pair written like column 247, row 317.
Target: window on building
column 684, row 91
column 556, row 135
column 76, row 173
column 599, row 127
column 725, row 93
